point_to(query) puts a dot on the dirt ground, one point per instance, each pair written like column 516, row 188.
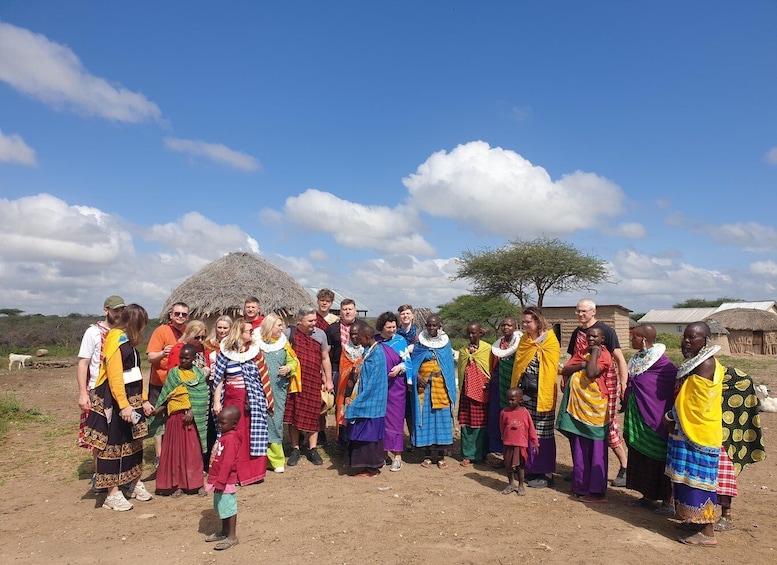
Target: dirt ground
column 319, row 514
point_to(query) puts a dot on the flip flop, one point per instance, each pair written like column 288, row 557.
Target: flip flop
column 593, row 499
column 218, row 536
column 225, row 544
column 699, row 539
column 465, row 463
column 426, row 463
column 520, row 491
column 508, row 489
column 442, row 464
column 725, row 525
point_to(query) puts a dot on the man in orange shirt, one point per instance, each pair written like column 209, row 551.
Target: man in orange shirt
column 159, row 345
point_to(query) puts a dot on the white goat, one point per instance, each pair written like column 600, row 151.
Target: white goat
column 18, row 358
column 765, row 404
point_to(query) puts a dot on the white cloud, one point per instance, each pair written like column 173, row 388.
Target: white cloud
column 52, row 73
column 631, row 230
column 764, row 268
column 45, row 228
column 13, row 149
column 213, row 151
column 353, row 225
column 771, row 156
column 194, row 234
column 751, row 236
column 58, row 257
column 318, row 255
column 498, row 191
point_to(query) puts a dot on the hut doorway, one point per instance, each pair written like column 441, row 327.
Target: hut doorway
column 758, row 342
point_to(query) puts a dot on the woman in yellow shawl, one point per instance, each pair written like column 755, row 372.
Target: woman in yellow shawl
column 116, row 424
column 535, row 370
column 474, row 372
column 283, row 367
column 695, row 426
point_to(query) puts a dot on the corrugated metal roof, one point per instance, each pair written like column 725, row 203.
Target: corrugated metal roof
column 767, row 305
column 676, row 316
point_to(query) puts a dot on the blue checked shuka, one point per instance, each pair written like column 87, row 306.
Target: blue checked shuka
column 257, row 403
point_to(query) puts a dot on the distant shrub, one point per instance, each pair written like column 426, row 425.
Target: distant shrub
column 670, row 340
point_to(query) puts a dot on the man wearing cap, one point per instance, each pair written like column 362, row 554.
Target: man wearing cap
column 90, row 356
column 159, row 345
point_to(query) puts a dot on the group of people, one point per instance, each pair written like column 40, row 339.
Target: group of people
column 216, row 404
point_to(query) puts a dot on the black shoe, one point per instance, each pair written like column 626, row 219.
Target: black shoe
column 293, row 458
column 315, row 457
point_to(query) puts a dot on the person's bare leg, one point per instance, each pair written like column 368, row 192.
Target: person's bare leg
column 313, row 440
column 510, row 483
column 294, row 437
column 229, row 527
column 521, row 491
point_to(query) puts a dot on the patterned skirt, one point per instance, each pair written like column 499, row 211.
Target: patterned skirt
column 120, row 444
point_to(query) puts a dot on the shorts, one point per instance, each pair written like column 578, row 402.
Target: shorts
column 225, row 504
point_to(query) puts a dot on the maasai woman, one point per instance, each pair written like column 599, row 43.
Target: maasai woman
column 185, row 399
column 583, row 418
column 282, row 364
column 650, row 393
column 696, row 435
column 116, row 424
column 366, row 409
column 474, row 369
column 238, row 379
column 434, row 392
column 397, row 356
column 350, row 365
column 535, row 371
column 503, row 356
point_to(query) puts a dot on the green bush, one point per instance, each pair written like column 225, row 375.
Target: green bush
column 670, row 340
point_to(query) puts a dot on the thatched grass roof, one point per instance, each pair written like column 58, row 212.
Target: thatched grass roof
column 222, row 286
column 739, row 319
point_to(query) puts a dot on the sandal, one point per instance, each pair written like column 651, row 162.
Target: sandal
column 664, row 510
column 426, row 463
column 177, row 494
column 225, row 544
column 465, row 463
column 699, row 539
column 508, row 489
column 442, row 464
column 725, row 525
column 218, row 536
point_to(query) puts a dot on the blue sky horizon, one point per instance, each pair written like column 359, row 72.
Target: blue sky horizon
column 364, row 146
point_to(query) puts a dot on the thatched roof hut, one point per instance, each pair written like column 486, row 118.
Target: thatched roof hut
column 222, row 286
column 750, row 331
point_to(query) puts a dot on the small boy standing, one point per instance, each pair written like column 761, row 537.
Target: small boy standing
column 222, row 478
column 518, row 431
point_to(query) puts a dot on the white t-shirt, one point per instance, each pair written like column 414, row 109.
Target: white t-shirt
column 92, row 349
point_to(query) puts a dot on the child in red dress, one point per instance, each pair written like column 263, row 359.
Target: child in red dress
column 518, row 432
column 222, row 478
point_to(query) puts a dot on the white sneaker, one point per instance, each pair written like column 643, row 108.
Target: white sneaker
column 140, row 492
column 117, row 502
column 279, row 469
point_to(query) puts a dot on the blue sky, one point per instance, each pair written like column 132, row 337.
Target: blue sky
column 364, row 145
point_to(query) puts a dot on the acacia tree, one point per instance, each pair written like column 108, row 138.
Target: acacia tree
column 466, row 308
column 525, row 269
